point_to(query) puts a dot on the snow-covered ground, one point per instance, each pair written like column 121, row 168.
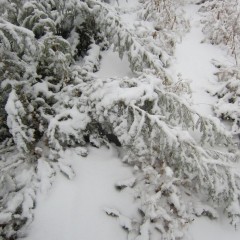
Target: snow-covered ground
column 113, row 66
column 205, row 229
column 73, row 209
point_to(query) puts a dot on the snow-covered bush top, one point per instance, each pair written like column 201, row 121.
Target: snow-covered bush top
column 53, row 100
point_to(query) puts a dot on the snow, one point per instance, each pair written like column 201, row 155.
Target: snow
column 193, row 61
column 15, row 202
column 74, row 209
column 113, row 66
column 4, row 217
column 124, row 3
column 124, row 221
column 144, row 232
column 126, row 183
column 206, row 229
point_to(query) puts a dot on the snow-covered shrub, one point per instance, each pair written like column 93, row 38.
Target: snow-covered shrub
column 141, row 54
column 169, row 24
column 222, row 26
column 53, row 101
column 153, row 128
column 35, row 65
column 20, row 180
column 228, row 105
column 19, row 53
